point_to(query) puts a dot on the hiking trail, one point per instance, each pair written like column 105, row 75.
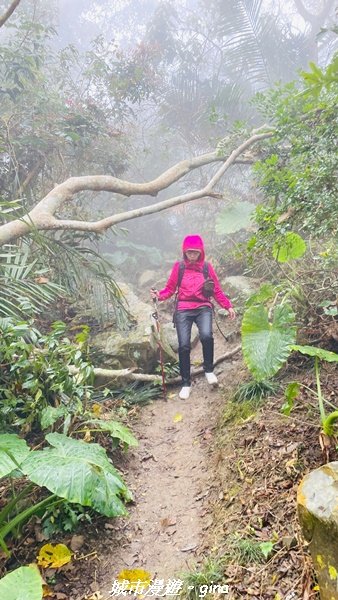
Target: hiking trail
column 169, row 476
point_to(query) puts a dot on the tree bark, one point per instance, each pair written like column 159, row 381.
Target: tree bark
column 43, row 216
column 9, row 12
column 113, row 374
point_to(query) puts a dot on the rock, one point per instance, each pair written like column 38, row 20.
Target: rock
column 137, row 347
column 239, row 288
column 147, row 279
column 317, row 501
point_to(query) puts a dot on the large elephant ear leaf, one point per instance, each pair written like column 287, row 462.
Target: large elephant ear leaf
column 266, row 341
column 13, row 450
column 317, row 353
column 24, row 583
column 80, row 473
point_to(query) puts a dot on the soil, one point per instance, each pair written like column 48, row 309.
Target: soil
column 207, row 473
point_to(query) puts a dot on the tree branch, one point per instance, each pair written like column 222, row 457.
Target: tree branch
column 9, row 12
column 42, row 216
column 118, row 374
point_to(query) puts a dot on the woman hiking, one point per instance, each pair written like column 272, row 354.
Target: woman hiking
column 195, row 281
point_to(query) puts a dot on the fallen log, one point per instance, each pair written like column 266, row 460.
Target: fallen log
column 129, row 374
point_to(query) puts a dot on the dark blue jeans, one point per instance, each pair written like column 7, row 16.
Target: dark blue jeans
column 184, row 320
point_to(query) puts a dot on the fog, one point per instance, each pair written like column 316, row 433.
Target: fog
column 172, row 79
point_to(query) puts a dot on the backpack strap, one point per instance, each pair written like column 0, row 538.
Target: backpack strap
column 181, row 269
column 206, row 270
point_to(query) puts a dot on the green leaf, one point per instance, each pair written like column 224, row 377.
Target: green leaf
column 234, row 217
column 24, row 583
column 50, row 414
column 13, row 450
column 291, row 393
column 266, row 548
column 78, row 472
column 289, row 247
column 265, row 292
column 117, row 431
column 316, row 352
column 266, row 343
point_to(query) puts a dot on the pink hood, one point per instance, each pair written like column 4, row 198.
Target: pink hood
column 193, row 242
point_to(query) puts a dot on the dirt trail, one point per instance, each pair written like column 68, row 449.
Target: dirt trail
column 168, row 475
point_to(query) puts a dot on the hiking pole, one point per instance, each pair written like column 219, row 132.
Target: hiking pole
column 155, row 317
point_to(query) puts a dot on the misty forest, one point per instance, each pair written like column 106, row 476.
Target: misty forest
column 126, row 126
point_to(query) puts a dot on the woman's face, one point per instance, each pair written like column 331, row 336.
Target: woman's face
column 192, row 255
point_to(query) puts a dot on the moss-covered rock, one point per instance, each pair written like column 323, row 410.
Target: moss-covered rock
column 317, row 501
column 138, row 347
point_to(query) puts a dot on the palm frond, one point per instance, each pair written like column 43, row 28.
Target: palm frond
column 85, row 274
column 24, row 289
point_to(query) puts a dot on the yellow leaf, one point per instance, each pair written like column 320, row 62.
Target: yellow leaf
column 134, row 577
column 54, row 556
column 172, row 395
column 47, row 591
column 177, row 418
column 96, row 409
column 87, row 436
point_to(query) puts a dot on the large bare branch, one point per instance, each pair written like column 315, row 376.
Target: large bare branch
column 43, row 216
column 130, row 375
column 9, row 12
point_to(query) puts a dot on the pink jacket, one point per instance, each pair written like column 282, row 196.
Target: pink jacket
column 193, row 280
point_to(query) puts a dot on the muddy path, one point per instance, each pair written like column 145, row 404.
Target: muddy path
column 171, row 480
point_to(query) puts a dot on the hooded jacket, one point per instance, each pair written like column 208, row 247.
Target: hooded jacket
column 190, row 293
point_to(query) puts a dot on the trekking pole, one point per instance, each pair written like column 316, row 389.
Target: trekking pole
column 155, row 317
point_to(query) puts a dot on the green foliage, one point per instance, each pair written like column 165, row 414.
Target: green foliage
column 317, row 78
column 118, row 432
column 288, row 247
column 267, row 291
column 24, row 288
column 254, row 391
column 79, row 472
column 329, row 421
column 24, row 583
column 248, row 550
column 35, row 375
column 13, row 451
column 239, row 412
column 234, row 217
column 72, row 470
column 64, row 518
column 210, row 572
column 297, row 174
column 134, row 393
column 266, row 339
column 85, row 274
column 316, row 352
column 171, row 369
column 291, row 393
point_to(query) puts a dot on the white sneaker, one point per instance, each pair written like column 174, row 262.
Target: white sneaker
column 211, row 378
column 184, row 393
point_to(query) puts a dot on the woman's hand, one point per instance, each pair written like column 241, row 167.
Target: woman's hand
column 231, row 313
column 153, row 294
